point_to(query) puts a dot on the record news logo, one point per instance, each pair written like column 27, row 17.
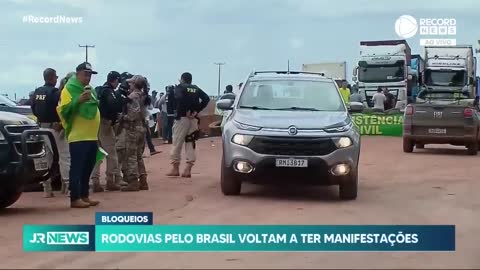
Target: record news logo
column 407, row 26
column 61, row 238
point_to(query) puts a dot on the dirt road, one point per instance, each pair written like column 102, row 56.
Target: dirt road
column 431, row 186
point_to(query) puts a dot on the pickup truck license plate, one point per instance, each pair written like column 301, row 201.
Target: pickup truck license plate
column 437, row 130
column 41, row 164
column 292, row 163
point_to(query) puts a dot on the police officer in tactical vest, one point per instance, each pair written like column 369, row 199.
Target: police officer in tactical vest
column 44, row 103
column 110, row 107
column 189, row 101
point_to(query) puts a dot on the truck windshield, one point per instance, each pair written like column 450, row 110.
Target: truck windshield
column 292, row 95
column 381, row 73
column 446, row 77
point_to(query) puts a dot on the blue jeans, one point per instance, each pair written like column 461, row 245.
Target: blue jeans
column 83, row 157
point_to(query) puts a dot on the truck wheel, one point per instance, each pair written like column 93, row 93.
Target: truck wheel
column 230, row 185
column 6, row 201
column 407, row 145
column 420, row 146
column 472, row 149
column 348, row 190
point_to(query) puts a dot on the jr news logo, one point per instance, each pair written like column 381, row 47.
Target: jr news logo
column 61, row 238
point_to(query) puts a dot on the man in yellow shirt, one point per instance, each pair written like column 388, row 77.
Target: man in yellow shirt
column 80, row 117
column 345, row 92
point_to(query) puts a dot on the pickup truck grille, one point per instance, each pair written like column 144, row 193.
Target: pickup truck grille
column 32, row 147
column 18, row 129
column 292, row 146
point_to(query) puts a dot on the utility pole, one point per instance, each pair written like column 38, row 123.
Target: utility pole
column 86, row 50
column 219, row 75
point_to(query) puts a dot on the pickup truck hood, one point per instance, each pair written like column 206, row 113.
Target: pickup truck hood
column 8, row 118
column 285, row 119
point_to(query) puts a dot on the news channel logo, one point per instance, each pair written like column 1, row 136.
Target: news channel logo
column 407, row 26
column 59, row 237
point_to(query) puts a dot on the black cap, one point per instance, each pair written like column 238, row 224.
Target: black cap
column 112, row 76
column 85, row 66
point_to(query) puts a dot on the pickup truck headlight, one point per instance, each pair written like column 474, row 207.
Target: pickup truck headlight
column 241, row 139
column 245, row 126
column 343, row 142
column 339, row 129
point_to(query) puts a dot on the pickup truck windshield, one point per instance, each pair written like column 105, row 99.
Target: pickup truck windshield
column 294, row 95
column 381, row 73
column 446, row 78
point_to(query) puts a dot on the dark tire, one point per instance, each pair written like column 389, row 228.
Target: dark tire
column 348, row 189
column 9, row 200
column 472, row 149
column 407, row 145
column 229, row 183
column 420, row 146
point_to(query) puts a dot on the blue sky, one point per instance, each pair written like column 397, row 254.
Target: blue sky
column 161, row 39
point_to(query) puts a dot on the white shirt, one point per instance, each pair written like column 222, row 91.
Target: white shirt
column 379, row 101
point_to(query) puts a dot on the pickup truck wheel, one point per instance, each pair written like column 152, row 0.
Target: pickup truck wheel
column 407, row 145
column 9, row 200
column 348, row 190
column 420, row 146
column 472, row 149
column 230, row 185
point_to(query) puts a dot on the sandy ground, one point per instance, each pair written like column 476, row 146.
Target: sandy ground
column 431, row 186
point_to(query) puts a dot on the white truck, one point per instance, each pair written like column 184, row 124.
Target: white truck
column 335, row 70
column 451, row 68
column 386, row 64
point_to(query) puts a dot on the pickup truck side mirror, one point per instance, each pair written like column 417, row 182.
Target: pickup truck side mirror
column 355, row 107
column 225, row 104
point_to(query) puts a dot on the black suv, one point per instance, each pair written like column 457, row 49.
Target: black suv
column 23, row 158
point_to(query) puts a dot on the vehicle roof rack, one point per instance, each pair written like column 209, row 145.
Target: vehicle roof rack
column 286, row 72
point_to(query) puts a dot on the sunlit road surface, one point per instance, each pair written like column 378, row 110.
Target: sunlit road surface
column 431, row 186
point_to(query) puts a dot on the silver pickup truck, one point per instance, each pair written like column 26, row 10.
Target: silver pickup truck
column 443, row 118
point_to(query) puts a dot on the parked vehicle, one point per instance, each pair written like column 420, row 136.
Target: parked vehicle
column 384, row 63
column 446, row 111
column 23, row 158
column 336, row 71
column 293, row 127
column 7, row 105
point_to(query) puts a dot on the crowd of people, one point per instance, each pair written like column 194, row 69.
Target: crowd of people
column 112, row 120
column 383, row 100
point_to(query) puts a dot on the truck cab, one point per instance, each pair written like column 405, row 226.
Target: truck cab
column 384, row 64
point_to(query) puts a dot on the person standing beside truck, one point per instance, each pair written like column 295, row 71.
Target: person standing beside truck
column 44, row 102
column 345, row 92
column 379, row 100
column 189, row 101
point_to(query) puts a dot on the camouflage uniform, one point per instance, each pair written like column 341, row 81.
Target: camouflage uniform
column 120, row 145
column 135, row 132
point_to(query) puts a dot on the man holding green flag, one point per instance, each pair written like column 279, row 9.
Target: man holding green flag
column 80, row 117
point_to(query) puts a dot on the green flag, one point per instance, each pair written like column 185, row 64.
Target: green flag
column 101, row 154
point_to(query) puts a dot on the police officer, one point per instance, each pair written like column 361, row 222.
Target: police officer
column 110, row 107
column 44, row 103
column 189, row 101
column 133, row 122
